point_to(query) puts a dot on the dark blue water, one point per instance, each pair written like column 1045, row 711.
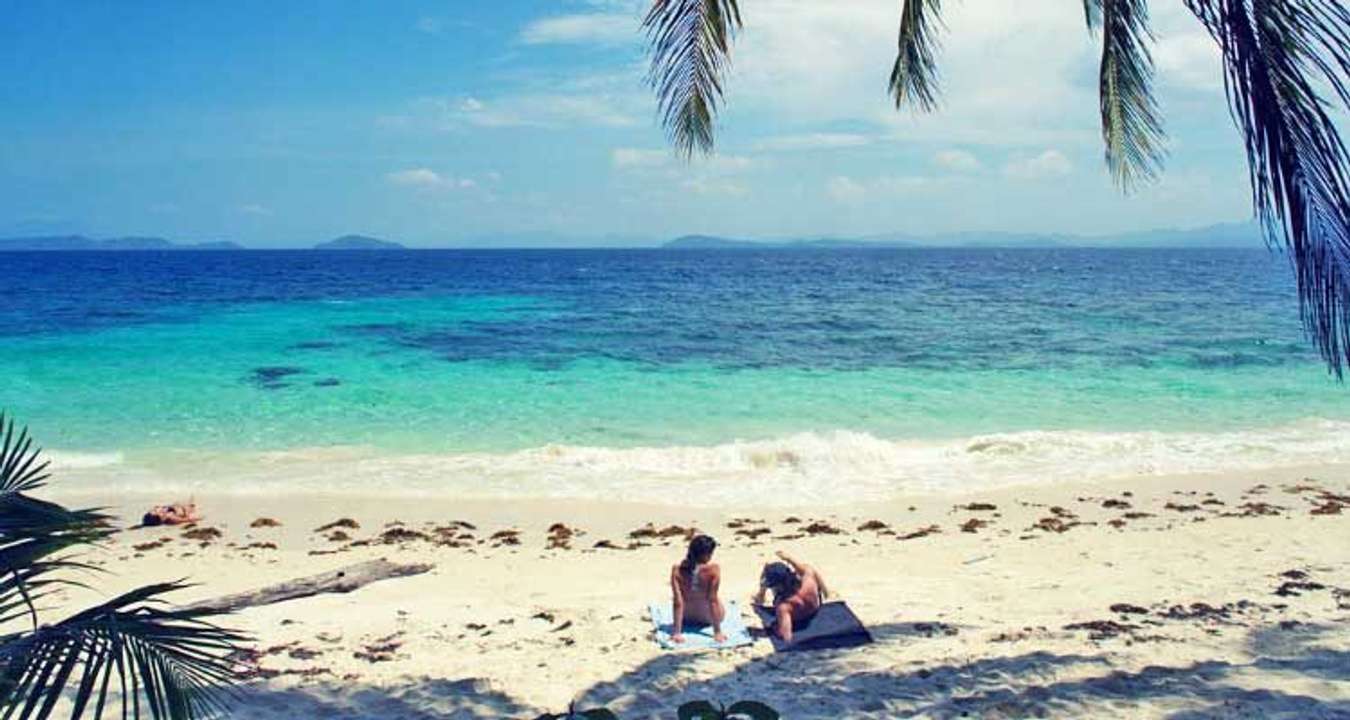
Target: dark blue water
column 837, row 309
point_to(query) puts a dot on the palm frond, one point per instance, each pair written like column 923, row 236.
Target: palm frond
column 173, row 663
column 20, row 470
column 33, row 531
column 1277, row 54
column 1131, row 125
column 691, row 53
column 914, row 78
column 1092, row 12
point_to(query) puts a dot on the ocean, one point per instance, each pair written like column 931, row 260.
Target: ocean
column 697, row 377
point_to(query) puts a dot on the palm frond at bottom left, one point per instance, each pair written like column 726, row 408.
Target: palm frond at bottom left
column 130, row 653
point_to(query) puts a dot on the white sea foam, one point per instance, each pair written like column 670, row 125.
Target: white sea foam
column 834, row 468
column 65, row 460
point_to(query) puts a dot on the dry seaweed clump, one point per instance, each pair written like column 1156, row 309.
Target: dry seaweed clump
column 973, row 525
column 401, row 535
column 202, row 534
column 651, row 532
column 921, row 533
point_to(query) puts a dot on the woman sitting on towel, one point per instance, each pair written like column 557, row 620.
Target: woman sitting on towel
column 693, row 584
column 798, row 591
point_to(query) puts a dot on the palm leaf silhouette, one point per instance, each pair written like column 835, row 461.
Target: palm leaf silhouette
column 1131, row 127
column 691, row 52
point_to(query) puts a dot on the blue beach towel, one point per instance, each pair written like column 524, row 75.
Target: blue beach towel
column 700, row 637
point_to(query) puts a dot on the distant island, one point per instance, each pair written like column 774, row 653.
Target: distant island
column 55, row 243
column 358, row 242
column 1230, row 235
column 81, row 243
column 711, row 242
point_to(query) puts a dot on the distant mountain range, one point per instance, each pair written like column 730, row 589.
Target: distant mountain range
column 57, row 243
column 80, row 242
column 1231, row 235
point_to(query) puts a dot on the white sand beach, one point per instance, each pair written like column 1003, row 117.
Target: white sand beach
column 1182, row 597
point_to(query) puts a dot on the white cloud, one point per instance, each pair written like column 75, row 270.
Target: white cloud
column 531, row 110
column 957, row 161
column 255, row 209
column 812, row 141
column 416, row 177
column 727, row 163
column 715, row 186
column 587, row 28
column 428, row 179
column 658, row 169
column 849, row 191
column 1190, row 60
column 846, row 190
column 638, row 157
column 1049, row 164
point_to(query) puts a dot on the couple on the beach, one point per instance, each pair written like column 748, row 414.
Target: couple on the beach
column 798, row 591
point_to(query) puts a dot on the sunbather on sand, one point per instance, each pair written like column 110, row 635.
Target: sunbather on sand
column 798, row 591
column 693, row 586
column 173, row 514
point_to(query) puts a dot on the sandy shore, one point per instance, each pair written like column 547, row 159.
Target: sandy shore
column 1231, row 599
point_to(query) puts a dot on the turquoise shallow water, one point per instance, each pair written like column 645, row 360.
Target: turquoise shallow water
column 569, row 372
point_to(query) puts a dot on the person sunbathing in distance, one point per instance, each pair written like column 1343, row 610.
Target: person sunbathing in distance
column 172, row 514
column 693, row 585
column 798, row 591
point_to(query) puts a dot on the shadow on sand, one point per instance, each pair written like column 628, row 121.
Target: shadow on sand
column 425, row 699
column 844, row 684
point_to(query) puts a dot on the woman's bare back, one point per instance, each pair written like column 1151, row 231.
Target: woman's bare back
column 699, row 592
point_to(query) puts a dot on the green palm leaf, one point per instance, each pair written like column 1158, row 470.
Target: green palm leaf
column 20, row 470
column 173, row 663
column 914, row 76
column 33, row 531
column 1131, row 126
column 691, row 53
column 1277, row 55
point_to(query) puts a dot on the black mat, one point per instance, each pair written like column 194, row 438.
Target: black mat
column 834, row 626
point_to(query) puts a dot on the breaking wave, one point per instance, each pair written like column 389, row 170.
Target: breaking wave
column 834, row 468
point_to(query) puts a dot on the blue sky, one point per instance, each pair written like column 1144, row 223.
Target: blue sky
column 527, row 121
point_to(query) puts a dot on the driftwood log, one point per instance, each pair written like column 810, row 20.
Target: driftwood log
column 342, row 580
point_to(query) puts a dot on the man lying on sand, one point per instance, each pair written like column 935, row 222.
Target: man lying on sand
column 798, row 591
column 693, row 585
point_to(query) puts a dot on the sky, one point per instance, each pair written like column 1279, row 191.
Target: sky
column 528, row 122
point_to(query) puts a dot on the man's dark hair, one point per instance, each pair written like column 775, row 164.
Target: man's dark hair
column 781, row 579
